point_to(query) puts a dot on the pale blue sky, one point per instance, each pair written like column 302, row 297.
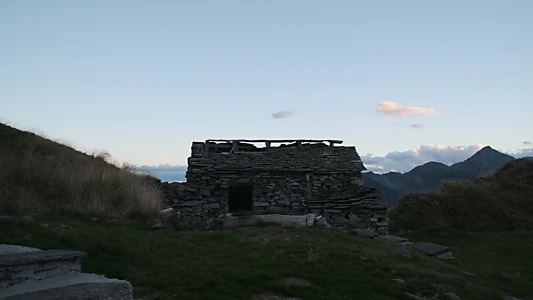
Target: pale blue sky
column 142, row 79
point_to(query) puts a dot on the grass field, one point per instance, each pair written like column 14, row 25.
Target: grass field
column 238, row 264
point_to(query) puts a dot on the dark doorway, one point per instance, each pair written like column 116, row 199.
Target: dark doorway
column 240, row 197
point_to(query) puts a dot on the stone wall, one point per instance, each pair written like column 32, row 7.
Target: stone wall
column 288, row 177
column 359, row 205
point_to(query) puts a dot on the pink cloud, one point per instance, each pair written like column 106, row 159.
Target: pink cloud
column 398, row 110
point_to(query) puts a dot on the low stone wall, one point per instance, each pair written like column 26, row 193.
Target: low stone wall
column 358, row 206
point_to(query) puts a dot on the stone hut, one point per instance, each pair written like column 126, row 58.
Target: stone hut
column 305, row 176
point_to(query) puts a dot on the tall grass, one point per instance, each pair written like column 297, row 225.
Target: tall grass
column 38, row 176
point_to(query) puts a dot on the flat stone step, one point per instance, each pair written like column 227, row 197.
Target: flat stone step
column 430, row 248
column 70, row 287
column 18, row 267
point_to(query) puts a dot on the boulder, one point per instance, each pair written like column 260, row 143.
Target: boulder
column 446, row 255
column 321, row 221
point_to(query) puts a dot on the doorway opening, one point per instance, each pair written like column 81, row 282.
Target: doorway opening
column 240, row 197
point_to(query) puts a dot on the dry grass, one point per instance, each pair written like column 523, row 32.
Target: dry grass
column 38, row 176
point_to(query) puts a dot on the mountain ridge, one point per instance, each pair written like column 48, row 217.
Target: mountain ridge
column 429, row 176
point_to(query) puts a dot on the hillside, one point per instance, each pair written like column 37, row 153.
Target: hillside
column 38, row 175
column 429, row 177
column 502, row 201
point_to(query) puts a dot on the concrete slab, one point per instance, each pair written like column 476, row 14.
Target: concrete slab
column 19, row 267
column 23, row 258
column 71, row 287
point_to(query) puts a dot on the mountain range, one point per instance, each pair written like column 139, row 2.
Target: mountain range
column 429, row 176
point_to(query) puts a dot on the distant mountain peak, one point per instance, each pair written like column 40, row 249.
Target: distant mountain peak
column 488, row 149
column 488, row 152
column 429, row 176
column 434, row 163
column 428, row 168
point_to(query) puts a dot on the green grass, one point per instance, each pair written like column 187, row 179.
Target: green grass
column 503, row 258
column 236, row 264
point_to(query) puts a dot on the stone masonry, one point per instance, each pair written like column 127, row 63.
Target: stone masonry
column 301, row 176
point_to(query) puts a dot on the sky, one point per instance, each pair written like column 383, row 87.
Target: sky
column 405, row 82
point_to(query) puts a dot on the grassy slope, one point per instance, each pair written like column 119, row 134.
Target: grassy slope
column 240, row 263
column 502, row 201
column 38, row 175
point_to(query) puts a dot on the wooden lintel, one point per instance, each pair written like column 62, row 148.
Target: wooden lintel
column 331, row 142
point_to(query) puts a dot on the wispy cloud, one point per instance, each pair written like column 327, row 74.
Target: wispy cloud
column 282, row 114
column 398, row 110
column 416, row 126
column 523, row 153
column 527, row 152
